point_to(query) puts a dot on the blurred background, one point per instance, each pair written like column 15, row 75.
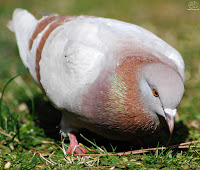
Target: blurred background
column 176, row 22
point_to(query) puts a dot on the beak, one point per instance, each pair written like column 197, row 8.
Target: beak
column 169, row 117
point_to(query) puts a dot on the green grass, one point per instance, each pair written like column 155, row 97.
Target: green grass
column 29, row 140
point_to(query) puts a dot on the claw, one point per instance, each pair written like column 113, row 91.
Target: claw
column 74, row 147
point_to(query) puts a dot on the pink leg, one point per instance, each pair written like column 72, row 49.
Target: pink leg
column 74, row 147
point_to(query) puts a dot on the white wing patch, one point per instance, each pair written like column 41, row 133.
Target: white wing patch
column 67, row 68
column 83, row 62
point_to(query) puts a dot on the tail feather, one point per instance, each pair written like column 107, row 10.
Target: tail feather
column 10, row 25
column 22, row 24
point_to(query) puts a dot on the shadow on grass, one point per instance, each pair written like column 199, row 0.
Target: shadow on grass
column 48, row 118
column 159, row 138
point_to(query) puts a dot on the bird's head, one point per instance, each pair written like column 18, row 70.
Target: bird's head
column 162, row 89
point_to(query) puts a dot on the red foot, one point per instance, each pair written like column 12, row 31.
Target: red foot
column 74, row 147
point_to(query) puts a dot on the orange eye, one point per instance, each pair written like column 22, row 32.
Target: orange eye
column 155, row 93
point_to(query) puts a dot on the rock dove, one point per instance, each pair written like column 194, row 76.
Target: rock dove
column 113, row 78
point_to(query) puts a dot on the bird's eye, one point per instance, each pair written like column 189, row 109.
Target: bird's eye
column 155, row 93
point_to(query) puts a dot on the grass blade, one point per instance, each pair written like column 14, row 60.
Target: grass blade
column 2, row 94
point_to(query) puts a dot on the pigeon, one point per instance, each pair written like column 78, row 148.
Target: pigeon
column 110, row 77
